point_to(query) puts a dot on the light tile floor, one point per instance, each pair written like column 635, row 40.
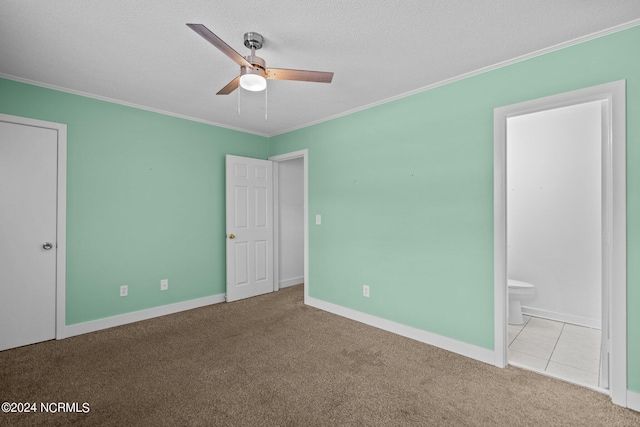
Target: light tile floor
column 560, row 349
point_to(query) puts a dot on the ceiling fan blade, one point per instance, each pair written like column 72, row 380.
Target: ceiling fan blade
column 300, row 75
column 220, row 44
column 230, row 87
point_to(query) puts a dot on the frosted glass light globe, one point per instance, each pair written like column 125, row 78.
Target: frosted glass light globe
column 253, row 82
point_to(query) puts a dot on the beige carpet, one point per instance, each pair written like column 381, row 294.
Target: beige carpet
column 272, row 361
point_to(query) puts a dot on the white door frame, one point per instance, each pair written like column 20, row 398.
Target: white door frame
column 276, row 201
column 61, row 214
column 614, row 230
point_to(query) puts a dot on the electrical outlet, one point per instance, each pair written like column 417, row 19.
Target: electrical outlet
column 164, row 284
column 124, row 291
column 365, row 291
column 318, row 219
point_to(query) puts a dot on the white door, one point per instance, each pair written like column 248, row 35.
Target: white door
column 249, row 199
column 28, row 195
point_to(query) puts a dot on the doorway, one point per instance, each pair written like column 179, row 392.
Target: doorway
column 613, row 303
column 290, row 222
column 32, row 230
column 554, row 242
column 295, row 166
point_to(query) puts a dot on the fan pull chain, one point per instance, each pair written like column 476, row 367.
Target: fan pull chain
column 266, row 105
column 239, row 100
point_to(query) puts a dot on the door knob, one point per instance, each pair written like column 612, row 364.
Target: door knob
column 232, row 236
column 47, row 246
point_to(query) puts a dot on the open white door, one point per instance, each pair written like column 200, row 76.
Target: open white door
column 28, row 242
column 249, row 198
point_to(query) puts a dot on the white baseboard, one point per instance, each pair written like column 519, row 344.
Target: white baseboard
column 291, row 282
column 633, row 400
column 136, row 316
column 465, row 349
column 561, row 317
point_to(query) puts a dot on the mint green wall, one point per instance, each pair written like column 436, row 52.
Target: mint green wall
column 405, row 190
column 145, row 200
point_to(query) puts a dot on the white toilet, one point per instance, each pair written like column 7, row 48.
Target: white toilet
column 517, row 290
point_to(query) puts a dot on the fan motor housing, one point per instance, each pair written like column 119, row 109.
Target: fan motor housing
column 256, row 61
column 259, row 66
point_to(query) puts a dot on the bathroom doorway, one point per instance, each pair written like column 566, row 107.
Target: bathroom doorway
column 554, row 241
column 573, row 253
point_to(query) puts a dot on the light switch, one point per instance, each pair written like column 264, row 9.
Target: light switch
column 318, row 219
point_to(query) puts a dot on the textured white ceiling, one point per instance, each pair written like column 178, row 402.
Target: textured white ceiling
column 141, row 52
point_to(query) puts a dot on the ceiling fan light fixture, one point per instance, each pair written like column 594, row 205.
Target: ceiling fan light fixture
column 253, row 69
column 253, row 80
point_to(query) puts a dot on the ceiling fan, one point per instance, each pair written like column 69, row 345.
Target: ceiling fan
column 253, row 69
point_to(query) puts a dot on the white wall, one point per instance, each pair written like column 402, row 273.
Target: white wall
column 291, row 223
column 554, row 211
